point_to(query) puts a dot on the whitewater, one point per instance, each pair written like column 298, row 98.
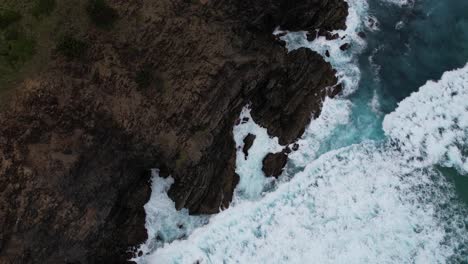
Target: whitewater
column 367, row 184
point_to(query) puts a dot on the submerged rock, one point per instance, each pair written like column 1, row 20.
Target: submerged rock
column 78, row 140
column 345, row 46
column 328, row 35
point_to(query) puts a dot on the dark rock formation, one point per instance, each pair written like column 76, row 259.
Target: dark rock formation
column 345, row 46
column 78, row 140
column 274, row 163
column 312, row 35
column 295, row 147
column 283, row 106
column 248, row 142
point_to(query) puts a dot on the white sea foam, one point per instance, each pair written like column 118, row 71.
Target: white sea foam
column 164, row 223
column 366, row 203
column 432, row 124
column 252, row 182
column 375, row 103
column 361, row 204
column 399, row 2
column 334, row 112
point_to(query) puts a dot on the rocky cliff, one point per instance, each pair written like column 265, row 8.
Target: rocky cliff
column 162, row 89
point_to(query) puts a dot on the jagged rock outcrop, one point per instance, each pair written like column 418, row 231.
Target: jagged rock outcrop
column 78, row 140
column 273, row 163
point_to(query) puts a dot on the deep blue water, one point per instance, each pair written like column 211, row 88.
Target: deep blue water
column 433, row 38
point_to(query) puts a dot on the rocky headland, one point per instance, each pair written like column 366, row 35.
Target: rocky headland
column 162, row 89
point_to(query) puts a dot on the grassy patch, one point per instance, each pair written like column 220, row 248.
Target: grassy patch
column 43, row 7
column 72, row 48
column 8, row 17
column 101, row 14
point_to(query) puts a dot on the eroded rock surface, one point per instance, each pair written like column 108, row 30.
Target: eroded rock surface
column 78, row 140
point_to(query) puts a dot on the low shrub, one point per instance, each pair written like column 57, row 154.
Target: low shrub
column 19, row 50
column 8, row 17
column 101, row 14
column 43, row 7
column 71, row 47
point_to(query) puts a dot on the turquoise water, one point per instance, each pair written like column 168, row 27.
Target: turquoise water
column 414, row 44
column 432, row 39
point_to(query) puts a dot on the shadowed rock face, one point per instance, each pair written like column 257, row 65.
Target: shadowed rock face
column 78, row 140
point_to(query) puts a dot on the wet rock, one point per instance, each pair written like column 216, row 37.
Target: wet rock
column 345, row 46
column 311, row 36
column 362, row 35
column 286, row 111
column 372, row 23
column 274, row 163
column 328, row 35
column 282, row 34
column 281, row 42
column 327, row 53
column 248, row 142
column 295, row 147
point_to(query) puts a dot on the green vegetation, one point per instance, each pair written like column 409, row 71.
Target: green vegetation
column 72, row 48
column 101, row 14
column 43, row 7
column 31, row 30
column 8, row 17
column 17, row 48
column 25, row 40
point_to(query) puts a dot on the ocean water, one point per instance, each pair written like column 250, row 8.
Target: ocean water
column 381, row 176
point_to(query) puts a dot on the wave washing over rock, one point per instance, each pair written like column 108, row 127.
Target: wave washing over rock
column 376, row 201
column 364, row 203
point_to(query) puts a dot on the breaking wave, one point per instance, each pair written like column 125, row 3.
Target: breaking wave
column 432, row 124
column 363, row 203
